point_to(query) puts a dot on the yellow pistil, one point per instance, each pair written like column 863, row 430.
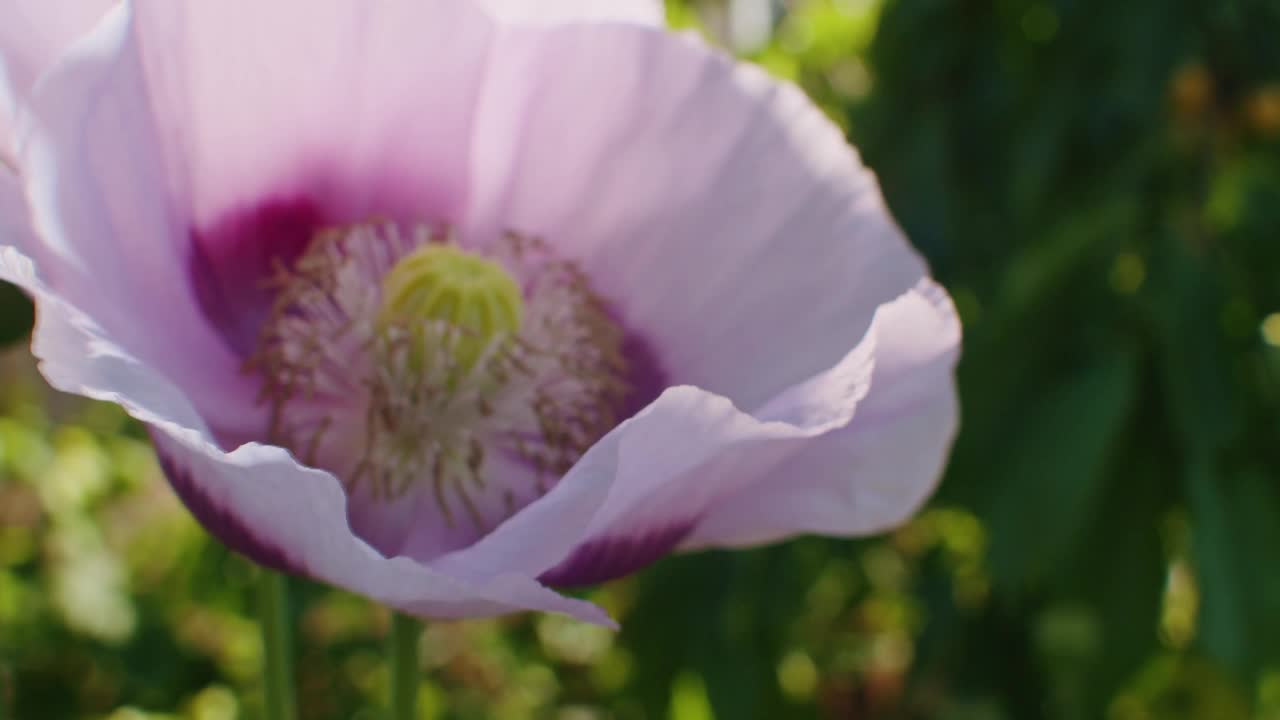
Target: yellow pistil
column 474, row 295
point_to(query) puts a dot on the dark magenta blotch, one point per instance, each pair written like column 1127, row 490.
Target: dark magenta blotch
column 221, row 522
column 232, row 260
column 646, row 378
column 609, row 558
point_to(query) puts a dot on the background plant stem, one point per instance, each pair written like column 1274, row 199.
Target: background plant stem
column 403, row 651
column 277, row 657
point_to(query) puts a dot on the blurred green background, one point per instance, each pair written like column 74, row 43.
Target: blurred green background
column 1096, row 182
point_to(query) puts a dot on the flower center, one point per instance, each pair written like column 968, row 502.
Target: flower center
column 465, row 291
column 398, row 359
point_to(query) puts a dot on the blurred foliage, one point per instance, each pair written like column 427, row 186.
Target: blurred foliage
column 1097, row 183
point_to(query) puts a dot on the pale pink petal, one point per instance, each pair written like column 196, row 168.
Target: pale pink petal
column 876, row 471
column 294, row 518
column 257, row 499
column 853, row 450
column 726, row 219
column 648, row 483
column 425, row 528
column 549, row 12
column 32, row 36
column 733, row 228
column 365, row 104
column 95, row 178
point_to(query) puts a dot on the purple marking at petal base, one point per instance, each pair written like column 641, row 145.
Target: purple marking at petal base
column 232, row 259
column 645, row 375
column 221, row 522
column 608, row 558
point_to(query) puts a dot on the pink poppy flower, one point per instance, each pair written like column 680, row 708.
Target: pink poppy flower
column 450, row 303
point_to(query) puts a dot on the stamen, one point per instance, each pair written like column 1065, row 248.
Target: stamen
column 440, row 357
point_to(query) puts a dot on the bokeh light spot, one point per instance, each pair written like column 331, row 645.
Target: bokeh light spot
column 1128, row 272
column 1040, row 23
column 1271, row 329
column 797, row 675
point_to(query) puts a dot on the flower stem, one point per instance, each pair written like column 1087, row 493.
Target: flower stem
column 277, row 666
column 5, row 692
column 405, row 633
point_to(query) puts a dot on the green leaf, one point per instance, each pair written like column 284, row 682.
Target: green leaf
column 1236, row 548
column 1045, row 488
column 1119, row 575
column 1194, row 357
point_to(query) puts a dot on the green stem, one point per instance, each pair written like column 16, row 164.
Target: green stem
column 277, row 665
column 6, row 692
column 405, row 633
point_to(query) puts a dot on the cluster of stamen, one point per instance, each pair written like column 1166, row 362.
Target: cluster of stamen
column 393, row 358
